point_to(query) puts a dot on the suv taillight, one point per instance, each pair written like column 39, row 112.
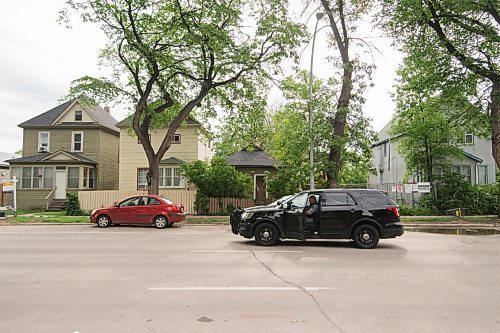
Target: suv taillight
column 394, row 210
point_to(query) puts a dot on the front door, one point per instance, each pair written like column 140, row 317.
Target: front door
column 60, row 184
column 127, row 211
column 293, row 216
column 260, row 188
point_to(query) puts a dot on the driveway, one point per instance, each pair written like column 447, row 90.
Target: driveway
column 205, row 279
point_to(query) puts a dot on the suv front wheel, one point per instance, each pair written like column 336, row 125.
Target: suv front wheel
column 266, row 234
column 366, row 236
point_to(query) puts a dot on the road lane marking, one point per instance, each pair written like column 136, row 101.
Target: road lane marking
column 245, row 251
column 240, row 288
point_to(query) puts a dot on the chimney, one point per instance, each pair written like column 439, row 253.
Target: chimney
column 107, row 109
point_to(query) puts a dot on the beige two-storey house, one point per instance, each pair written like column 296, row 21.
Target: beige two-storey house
column 191, row 142
column 69, row 148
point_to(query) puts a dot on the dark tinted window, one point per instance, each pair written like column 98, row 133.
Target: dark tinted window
column 376, row 198
column 153, row 201
column 337, row 199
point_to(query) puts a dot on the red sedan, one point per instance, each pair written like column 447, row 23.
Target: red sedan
column 144, row 209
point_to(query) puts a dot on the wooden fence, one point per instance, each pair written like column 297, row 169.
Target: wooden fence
column 213, row 205
column 97, row 199
column 90, row 200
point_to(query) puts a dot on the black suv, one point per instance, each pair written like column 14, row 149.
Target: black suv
column 362, row 215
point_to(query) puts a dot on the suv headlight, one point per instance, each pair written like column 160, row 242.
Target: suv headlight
column 93, row 212
column 246, row 215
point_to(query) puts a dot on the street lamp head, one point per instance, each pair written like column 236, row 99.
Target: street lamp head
column 319, row 16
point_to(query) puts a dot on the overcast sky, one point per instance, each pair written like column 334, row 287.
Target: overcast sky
column 39, row 58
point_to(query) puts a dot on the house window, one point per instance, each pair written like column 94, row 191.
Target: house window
column 482, row 174
column 85, row 177
column 142, row 180
column 16, row 172
column 176, row 138
column 469, row 138
column 26, row 180
column 77, row 142
column 385, row 148
column 37, row 177
column 48, row 177
column 78, row 115
column 464, row 170
column 91, row 178
column 171, row 177
column 73, row 177
column 43, row 142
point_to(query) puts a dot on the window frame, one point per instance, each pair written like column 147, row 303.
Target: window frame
column 471, row 135
column 73, row 141
column 324, row 197
column 163, row 177
column 81, row 115
column 176, row 141
column 139, row 188
column 40, row 141
column 68, row 177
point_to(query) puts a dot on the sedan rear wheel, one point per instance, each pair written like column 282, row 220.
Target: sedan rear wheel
column 161, row 222
column 103, row 221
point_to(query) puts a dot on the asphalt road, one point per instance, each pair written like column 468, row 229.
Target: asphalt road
column 205, row 279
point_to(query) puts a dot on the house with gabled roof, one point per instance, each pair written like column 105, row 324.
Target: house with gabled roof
column 477, row 164
column 191, row 142
column 72, row 147
column 258, row 164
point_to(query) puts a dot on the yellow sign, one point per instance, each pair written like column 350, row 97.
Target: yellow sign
column 8, row 186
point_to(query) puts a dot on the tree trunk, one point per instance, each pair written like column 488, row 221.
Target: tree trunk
column 154, row 176
column 495, row 127
column 338, row 124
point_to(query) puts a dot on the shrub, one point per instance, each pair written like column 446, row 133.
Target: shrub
column 201, row 203
column 72, row 207
column 453, row 191
column 407, row 210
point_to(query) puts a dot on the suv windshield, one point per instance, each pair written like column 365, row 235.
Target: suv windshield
column 299, row 201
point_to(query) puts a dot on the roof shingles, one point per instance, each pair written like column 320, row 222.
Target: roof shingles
column 256, row 158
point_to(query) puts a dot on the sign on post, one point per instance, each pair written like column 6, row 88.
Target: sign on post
column 8, row 186
column 424, row 187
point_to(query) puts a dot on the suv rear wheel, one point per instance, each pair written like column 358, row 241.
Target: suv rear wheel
column 266, row 234
column 366, row 236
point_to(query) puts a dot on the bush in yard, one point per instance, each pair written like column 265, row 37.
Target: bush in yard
column 72, row 207
column 407, row 210
column 201, row 203
column 454, row 191
column 218, row 179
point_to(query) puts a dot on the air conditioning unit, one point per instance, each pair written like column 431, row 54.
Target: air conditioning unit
column 43, row 150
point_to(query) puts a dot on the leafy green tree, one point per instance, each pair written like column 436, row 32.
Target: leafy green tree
column 169, row 57
column 289, row 141
column 217, row 179
column 429, row 135
column 452, row 47
column 245, row 123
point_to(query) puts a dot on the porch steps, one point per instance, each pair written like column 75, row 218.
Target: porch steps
column 56, row 205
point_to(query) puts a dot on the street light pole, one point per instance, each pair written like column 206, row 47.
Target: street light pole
column 311, row 142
